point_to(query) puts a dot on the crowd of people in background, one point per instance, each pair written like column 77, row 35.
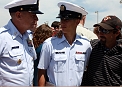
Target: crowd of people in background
column 64, row 53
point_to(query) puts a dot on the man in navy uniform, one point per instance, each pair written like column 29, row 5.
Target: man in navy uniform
column 16, row 48
column 64, row 59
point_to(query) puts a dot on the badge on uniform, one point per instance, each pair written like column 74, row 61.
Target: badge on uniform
column 15, row 47
column 80, row 52
column 29, row 42
column 59, row 52
column 19, row 61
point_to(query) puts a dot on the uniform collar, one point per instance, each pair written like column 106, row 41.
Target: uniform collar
column 78, row 38
column 14, row 30
column 62, row 39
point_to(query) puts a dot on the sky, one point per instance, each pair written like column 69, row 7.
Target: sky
column 51, row 11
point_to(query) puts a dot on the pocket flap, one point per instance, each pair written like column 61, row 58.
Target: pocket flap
column 80, row 57
column 16, row 52
column 60, row 57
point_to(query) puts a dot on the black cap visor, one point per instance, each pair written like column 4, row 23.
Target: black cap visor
column 36, row 12
column 69, row 15
column 105, row 26
column 30, row 8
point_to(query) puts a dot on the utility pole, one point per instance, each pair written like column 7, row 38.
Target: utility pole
column 120, row 1
column 97, row 15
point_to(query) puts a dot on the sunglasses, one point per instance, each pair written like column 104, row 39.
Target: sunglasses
column 101, row 29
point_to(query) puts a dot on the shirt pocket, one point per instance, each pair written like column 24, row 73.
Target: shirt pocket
column 60, row 63
column 80, row 62
column 16, row 58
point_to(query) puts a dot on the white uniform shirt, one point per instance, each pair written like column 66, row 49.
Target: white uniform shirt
column 85, row 32
column 16, row 57
column 65, row 63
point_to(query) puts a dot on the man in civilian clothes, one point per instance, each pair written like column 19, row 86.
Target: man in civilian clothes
column 105, row 64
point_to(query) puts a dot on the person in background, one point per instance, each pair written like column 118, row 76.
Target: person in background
column 40, row 35
column 81, row 30
column 16, row 48
column 105, row 64
column 65, row 59
column 56, row 26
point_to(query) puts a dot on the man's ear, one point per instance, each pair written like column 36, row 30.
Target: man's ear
column 78, row 21
column 18, row 15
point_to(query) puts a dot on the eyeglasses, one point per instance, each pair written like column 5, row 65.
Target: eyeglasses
column 100, row 29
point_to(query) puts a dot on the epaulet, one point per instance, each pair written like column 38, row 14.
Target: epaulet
column 49, row 39
column 3, row 29
column 83, row 37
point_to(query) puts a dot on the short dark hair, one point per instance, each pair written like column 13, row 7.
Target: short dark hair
column 55, row 24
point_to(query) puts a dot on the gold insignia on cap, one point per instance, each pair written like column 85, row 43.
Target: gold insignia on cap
column 79, row 16
column 62, row 8
column 19, row 61
column 21, row 9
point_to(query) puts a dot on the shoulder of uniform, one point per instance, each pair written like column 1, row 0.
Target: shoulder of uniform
column 4, row 29
column 83, row 38
column 50, row 39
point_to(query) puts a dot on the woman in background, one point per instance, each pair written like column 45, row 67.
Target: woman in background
column 40, row 35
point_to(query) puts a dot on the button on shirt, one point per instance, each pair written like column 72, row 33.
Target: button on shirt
column 65, row 63
column 16, row 57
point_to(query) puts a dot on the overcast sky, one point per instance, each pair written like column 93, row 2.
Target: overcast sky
column 51, row 10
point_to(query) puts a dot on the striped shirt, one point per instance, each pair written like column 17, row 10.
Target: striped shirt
column 105, row 66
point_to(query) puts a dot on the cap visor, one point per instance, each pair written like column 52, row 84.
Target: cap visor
column 36, row 12
column 66, row 18
column 105, row 26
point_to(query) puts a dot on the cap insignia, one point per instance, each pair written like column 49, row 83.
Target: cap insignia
column 21, row 9
column 62, row 7
column 79, row 16
column 106, row 18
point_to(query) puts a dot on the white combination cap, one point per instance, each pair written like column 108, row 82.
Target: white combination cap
column 24, row 5
column 73, row 7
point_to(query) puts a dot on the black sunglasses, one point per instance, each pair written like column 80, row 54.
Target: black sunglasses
column 101, row 29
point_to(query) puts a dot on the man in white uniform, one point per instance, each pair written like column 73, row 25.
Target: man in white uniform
column 16, row 48
column 81, row 30
column 65, row 59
